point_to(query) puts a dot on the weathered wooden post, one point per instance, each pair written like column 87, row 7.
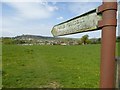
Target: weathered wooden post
column 108, row 25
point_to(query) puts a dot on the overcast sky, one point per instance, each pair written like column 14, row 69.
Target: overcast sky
column 38, row 18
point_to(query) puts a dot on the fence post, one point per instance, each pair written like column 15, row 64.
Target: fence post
column 108, row 25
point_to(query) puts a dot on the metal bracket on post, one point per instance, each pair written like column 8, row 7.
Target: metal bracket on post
column 110, row 6
column 108, row 22
column 112, row 21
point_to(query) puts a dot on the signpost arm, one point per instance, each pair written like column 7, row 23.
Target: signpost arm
column 108, row 25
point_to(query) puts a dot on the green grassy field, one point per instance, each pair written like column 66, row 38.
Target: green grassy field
column 51, row 66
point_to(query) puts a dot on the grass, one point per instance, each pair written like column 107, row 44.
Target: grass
column 51, row 66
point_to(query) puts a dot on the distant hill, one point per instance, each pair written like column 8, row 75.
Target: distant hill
column 42, row 37
column 41, row 40
column 34, row 37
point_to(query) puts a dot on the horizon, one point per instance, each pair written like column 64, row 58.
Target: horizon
column 51, row 36
column 41, row 36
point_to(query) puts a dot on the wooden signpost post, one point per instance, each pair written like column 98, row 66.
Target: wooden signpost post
column 104, row 17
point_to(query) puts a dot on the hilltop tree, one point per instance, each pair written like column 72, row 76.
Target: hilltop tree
column 85, row 39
